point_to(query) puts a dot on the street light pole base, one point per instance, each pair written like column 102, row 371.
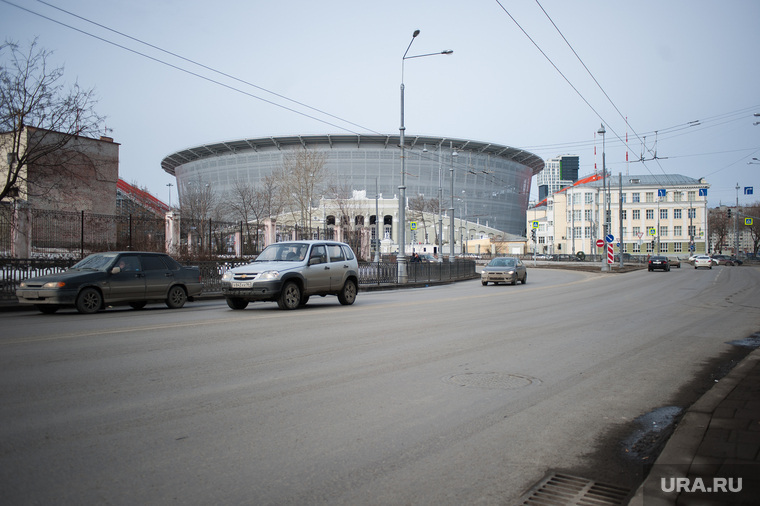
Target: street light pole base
column 403, row 276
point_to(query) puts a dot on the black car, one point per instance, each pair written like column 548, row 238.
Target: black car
column 125, row 277
column 659, row 262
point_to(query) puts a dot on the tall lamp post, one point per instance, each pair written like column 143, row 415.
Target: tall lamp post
column 401, row 258
column 605, row 265
column 451, row 209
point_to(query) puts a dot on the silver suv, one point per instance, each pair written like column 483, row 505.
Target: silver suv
column 290, row 272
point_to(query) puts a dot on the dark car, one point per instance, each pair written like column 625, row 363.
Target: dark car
column 726, row 260
column 290, row 272
column 121, row 277
column 659, row 262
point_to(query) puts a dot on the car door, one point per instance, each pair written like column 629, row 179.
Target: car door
column 158, row 278
column 318, row 270
column 129, row 282
column 338, row 266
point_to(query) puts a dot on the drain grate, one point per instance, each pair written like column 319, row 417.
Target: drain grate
column 566, row 490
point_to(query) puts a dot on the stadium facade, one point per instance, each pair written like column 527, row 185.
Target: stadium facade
column 491, row 181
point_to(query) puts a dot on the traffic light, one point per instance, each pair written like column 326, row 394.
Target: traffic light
column 729, row 212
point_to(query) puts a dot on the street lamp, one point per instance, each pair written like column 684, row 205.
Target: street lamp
column 605, row 265
column 454, row 154
column 401, row 259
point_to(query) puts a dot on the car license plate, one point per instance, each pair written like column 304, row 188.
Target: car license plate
column 242, row 284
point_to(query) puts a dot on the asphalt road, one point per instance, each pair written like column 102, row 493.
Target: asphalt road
column 458, row 394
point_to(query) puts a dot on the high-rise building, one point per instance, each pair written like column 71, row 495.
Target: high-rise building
column 558, row 173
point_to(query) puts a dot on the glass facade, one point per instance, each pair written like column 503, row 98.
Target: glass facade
column 491, row 182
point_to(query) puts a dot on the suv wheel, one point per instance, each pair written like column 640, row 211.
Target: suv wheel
column 347, row 294
column 236, row 303
column 290, row 296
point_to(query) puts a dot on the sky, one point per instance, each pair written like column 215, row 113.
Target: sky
column 676, row 78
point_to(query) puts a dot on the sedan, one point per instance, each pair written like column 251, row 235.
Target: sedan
column 504, row 270
column 126, row 277
column 675, row 262
column 659, row 262
column 703, row 261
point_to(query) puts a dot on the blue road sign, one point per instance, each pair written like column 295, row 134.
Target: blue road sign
column 610, row 238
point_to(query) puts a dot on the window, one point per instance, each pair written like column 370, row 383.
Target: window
column 153, row 263
column 336, row 253
column 664, row 231
column 636, row 197
column 622, row 198
column 637, row 214
column 636, row 231
column 587, row 216
column 692, row 213
column 624, row 233
column 625, row 214
column 650, row 214
column 650, row 196
column 589, row 198
column 663, row 214
column 587, row 232
column 692, row 196
column 664, row 247
column 677, row 214
column 677, row 231
column 692, row 230
column 650, row 247
column 677, row 247
column 636, row 248
column 677, row 196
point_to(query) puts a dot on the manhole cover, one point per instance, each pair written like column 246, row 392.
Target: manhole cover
column 492, row 380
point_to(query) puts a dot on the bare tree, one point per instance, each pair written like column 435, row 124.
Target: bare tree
column 247, row 204
column 720, row 226
column 39, row 118
column 418, row 206
column 199, row 205
column 753, row 211
column 300, row 179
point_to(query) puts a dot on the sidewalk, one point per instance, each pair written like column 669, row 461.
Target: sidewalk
column 716, row 444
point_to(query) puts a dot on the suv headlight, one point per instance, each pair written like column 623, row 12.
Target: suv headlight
column 269, row 275
column 228, row 276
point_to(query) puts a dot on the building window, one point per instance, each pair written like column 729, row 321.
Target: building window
column 677, row 231
column 587, row 216
column 677, row 196
column 677, row 247
column 663, row 214
column 637, row 214
column 692, row 213
column 624, row 232
column 636, row 231
column 692, row 196
column 650, row 196
column 622, row 197
column 664, row 231
column 587, row 232
column 650, row 247
column 692, row 230
column 589, row 198
column 677, row 214
column 636, row 247
column 625, row 214
column 650, row 214
column 664, row 247
column 636, row 197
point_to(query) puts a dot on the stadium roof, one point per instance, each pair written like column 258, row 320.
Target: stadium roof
column 171, row 162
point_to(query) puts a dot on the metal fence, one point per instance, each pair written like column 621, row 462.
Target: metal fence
column 13, row 271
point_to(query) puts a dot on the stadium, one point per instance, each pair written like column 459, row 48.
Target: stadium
column 491, row 181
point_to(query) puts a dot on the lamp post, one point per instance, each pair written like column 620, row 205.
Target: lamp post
column 605, row 265
column 170, row 193
column 451, row 209
column 401, row 258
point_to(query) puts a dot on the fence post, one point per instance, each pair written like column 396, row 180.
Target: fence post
column 129, row 236
column 81, row 236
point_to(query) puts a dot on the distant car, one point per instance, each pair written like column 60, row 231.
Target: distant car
column 726, row 260
column 658, row 262
column 111, row 278
column 675, row 262
column 504, row 270
column 703, row 261
column 290, row 272
column 427, row 257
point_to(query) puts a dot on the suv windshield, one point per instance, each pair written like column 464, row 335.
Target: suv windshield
column 283, row 252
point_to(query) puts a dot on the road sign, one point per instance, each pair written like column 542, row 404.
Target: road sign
column 610, row 254
column 534, row 224
column 413, row 225
column 599, row 243
column 652, row 231
column 748, row 222
column 610, row 238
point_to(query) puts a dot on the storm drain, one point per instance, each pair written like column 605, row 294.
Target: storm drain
column 566, row 490
column 490, row 380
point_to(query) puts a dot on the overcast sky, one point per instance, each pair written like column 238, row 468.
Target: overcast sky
column 513, row 79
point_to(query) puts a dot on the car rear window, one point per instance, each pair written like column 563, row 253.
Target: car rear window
column 153, row 263
column 335, row 252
